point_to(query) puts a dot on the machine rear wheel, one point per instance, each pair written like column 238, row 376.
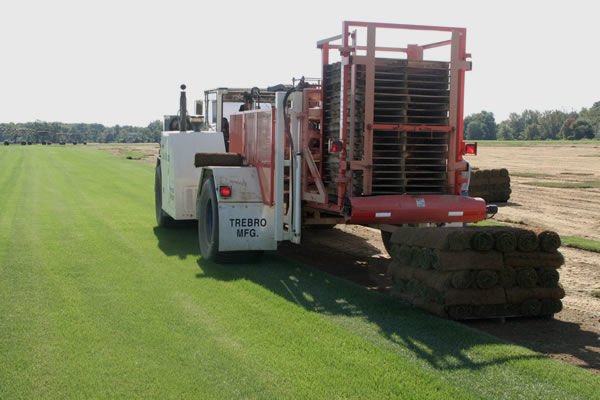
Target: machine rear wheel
column 163, row 219
column 207, row 211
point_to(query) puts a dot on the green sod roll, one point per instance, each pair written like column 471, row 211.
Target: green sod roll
column 395, row 252
column 527, row 241
column 548, row 277
column 486, row 279
column 527, row 277
column 551, row 306
column 549, row 241
column 463, row 279
column 531, row 307
column 537, row 259
column 517, row 295
column 422, row 258
column 432, row 307
column 505, row 241
column 508, row 277
column 511, row 310
column 460, row 312
column 482, row 241
column 453, row 297
column 488, row 310
column 459, row 240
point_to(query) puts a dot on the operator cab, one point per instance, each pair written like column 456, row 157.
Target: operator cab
column 222, row 102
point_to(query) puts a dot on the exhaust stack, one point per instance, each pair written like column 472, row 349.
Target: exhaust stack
column 182, row 110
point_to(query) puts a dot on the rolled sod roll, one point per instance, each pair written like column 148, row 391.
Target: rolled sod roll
column 401, row 253
column 482, row 241
column 436, row 280
column 549, row 241
column 439, row 281
column 432, row 307
column 512, row 310
column 395, row 252
column 518, row 295
column 505, row 241
column 459, row 240
column 467, row 259
column 527, row 277
column 433, row 238
column 400, row 272
column 454, row 297
column 527, row 241
column 460, row 311
column 422, row 258
column 488, row 310
column 535, row 259
column 551, row 306
column 486, row 279
column 500, row 181
column 463, row 279
column 501, row 196
column 548, row 277
column 400, row 286
column 531, row 307
column 508, row 277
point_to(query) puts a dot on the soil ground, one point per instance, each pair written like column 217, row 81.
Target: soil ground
column 573, row 335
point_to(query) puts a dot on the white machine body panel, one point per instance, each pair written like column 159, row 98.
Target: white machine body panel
column 245, row 223
column 246, row 226
column 179, row 175
column 243, row 181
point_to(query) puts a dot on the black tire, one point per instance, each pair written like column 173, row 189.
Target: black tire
column 386, row 238
column 163, row 220
column 207, row 212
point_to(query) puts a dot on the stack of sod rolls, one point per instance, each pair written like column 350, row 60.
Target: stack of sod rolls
column 477, row 272
column 492, row 185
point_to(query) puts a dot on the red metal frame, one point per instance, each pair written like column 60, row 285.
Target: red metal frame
column 248, row 145
column 350, row 57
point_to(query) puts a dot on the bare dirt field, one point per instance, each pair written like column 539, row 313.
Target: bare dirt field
column 574, row 334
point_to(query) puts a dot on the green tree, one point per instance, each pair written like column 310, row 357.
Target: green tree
column 583, row 129
column 476, row 130
column 481, row 125
column 504, row 131
column 593, row 116
column 533, row 132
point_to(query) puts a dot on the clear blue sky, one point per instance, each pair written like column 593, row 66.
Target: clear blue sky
column 121, row 62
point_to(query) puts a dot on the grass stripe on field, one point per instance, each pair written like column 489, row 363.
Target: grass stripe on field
column 96, row 302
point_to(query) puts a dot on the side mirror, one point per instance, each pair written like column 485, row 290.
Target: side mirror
column 199, row 107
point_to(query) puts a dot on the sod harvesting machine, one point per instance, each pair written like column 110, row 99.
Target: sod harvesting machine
column 376, row 141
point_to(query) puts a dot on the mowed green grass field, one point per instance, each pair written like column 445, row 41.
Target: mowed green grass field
column 96, row 302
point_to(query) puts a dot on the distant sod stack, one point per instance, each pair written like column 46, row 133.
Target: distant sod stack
column 492, row 185
column 478, row 272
